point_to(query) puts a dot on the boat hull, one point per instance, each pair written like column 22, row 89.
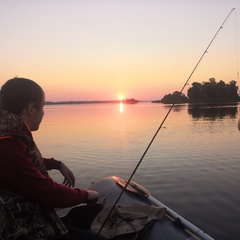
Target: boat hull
column 171, row 226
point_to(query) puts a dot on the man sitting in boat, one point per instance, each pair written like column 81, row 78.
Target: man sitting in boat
column 28, row 195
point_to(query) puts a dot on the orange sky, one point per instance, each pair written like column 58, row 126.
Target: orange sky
column 98, row 50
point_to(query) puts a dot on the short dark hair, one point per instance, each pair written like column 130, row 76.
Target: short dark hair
column 17, row 93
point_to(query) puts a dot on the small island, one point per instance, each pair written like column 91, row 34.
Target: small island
column 129, row 101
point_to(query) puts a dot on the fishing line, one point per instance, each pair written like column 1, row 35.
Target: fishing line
column 236, row 49
column 163, row 121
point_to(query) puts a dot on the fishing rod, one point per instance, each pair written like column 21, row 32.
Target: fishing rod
column 163, row 121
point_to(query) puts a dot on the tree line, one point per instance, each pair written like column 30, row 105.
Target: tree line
column 206, row 92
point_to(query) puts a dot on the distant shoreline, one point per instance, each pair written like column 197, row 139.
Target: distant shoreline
column 127, row 101
column 135, row 102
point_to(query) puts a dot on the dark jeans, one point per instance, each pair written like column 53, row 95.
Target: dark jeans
column 82, row 234
column 78, row 222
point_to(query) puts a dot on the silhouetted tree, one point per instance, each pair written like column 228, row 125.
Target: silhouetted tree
column 213, row 91
column 175, row 97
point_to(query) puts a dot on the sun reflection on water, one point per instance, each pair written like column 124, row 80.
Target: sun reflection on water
column 121, row 107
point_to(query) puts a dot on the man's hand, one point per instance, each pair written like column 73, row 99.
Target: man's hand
column 92, row 197
column 69, row 179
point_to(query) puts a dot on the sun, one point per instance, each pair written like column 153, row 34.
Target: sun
column 120, row 97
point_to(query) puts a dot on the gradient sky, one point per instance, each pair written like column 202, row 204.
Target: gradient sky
column 101, row 49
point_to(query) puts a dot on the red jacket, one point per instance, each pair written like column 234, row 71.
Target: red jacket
column 18, row 174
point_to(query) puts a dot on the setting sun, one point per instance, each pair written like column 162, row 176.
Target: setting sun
column 121, row 97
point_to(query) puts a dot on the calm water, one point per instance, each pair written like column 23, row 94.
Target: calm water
column 193, row 165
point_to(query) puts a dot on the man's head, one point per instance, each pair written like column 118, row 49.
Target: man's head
column 24, row 98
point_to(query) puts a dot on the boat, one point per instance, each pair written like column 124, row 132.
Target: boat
column 115, row 191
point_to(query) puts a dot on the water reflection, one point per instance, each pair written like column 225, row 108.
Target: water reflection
column 177, row 107
column 212, row 112
column 121, row 107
